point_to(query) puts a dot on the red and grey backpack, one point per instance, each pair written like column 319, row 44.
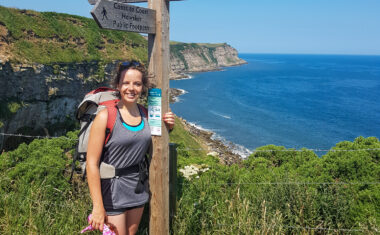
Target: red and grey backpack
column 93, row 102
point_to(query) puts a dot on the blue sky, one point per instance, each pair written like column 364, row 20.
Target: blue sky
column 261, row 26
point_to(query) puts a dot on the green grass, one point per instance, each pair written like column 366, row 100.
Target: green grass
column 49, row 37
column 273, row 192
column 35, row 193
column 211, row 45
column 9, row 107
column 36, row 196
column 280, row 193
column 189, row 148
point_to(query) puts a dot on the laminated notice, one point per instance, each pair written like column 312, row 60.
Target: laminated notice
column 154, row 111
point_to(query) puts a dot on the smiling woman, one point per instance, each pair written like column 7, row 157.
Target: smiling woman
column 119, row 199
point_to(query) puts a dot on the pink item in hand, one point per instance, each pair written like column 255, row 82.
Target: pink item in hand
column 106, row 229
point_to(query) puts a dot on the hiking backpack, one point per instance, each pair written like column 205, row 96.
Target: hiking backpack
column 93, row 102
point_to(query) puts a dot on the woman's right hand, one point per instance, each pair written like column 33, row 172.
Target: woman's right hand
column 98, row 218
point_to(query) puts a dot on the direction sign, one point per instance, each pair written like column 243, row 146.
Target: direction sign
column 93, row 2
column 125, row 17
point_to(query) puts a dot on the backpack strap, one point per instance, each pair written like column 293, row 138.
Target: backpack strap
column 145, row 111
column 111, row 119
column 112, row 113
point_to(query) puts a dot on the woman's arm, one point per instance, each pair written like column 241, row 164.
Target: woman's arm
column 94, row 152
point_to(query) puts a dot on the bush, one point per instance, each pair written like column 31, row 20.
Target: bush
column 283, row 192
column 287, row 192
column 35, row 194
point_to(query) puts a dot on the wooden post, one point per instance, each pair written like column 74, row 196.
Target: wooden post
column 172, row 181
column 158, row 49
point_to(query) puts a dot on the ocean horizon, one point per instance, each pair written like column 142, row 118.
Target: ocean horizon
column 292, row 100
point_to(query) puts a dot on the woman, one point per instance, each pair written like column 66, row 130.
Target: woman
column 114, row 200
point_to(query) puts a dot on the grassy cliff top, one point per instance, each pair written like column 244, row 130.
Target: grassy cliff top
column 48, row 37
column 180, row 46
column 28, row 36
column 209, row 45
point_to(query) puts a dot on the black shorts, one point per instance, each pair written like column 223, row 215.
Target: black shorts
column 112, row 212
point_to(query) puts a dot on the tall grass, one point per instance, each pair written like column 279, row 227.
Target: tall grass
column 35, row 195
column 273, row 192
column 207, row 207
column 49, row 37
column 286, row 192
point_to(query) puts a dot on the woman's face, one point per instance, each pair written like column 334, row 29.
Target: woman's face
column 130, row 85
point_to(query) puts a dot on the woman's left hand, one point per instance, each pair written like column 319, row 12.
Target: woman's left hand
column 169, row 120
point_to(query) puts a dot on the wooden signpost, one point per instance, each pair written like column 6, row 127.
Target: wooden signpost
column 154, row 20
column 122, row 16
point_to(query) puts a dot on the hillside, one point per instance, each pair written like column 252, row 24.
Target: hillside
column 58, row 58
column 47, row 37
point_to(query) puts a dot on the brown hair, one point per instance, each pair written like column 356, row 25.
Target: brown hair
column 123, row 66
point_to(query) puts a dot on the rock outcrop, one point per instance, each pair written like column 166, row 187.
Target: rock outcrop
column 41, row 99
column 194, row 57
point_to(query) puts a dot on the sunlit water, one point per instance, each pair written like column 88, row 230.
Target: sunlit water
column 312, row 101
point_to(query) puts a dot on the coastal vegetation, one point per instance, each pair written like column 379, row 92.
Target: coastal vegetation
column 274, row 190
column 49, row 37
column 281, row 191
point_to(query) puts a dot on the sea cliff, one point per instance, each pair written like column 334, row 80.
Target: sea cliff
column 198, row 57
column 49, row 61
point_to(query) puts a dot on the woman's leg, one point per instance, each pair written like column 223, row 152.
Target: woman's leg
column 133, row 218
column 117, row 222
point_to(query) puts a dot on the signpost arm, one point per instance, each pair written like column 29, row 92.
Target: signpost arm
column 158, row 46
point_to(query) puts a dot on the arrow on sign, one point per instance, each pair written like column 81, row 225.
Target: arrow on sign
column 125, row 17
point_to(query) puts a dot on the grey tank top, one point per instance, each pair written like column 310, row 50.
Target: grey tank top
column 125, row 148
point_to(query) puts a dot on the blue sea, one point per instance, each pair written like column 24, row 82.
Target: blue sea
column 311, row 101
